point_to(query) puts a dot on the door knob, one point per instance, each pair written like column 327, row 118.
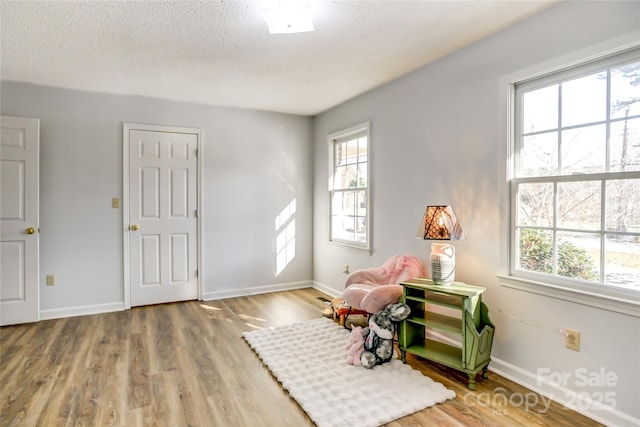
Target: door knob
column 31, row 230
column 134, row 227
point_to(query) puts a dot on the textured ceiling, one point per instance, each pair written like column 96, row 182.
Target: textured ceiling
column 220, row 53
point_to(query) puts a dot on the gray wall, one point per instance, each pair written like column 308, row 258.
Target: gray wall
column 437, row 137
column 254, row 164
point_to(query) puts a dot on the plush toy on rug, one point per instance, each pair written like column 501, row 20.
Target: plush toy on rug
column 355, row 346
column 378, row 344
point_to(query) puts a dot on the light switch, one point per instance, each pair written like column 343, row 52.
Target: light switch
column 115, row 203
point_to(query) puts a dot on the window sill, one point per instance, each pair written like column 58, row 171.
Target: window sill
column 619, row 301
column 358, row 249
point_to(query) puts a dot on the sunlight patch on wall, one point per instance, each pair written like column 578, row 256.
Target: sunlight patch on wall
column 286, row 237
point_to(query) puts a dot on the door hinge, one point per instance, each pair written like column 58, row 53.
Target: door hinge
column 195, row 213
column 196, row 273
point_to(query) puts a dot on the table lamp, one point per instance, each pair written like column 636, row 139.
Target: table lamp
column 440, row 223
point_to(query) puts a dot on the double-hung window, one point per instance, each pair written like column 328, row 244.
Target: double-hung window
column 575, row 184
column 350, row 223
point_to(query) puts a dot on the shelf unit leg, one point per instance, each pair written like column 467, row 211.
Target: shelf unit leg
column 485, row 372
column 472, row 381
column 403, row 356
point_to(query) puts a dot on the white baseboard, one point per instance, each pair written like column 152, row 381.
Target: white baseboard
column 580, row 402
column 256, row 290
column 59, row 313
column 80, row 310
column 326, row 289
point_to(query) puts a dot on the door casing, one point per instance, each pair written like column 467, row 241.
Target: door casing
column 22, row 246
column 126, row 128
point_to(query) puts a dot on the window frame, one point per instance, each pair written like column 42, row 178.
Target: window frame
column 350, row 133
column 621, row 300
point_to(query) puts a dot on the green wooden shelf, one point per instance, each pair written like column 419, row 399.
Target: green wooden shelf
column 472, row 324
column 415, row 298
column 438, row 321
column 439, row 352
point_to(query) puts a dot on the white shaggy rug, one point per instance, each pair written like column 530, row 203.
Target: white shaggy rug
column 309, row 359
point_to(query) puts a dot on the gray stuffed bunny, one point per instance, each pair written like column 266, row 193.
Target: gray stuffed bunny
column 378, row 341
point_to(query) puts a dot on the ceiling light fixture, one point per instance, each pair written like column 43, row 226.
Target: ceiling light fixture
column 289, row 16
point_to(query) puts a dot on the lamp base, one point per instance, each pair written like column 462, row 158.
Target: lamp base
column 443, row 263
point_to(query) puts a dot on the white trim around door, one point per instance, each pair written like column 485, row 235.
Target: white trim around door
column 19, row 220
column 135, row 128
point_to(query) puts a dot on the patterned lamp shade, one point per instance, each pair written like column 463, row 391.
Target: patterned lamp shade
column 440, row 223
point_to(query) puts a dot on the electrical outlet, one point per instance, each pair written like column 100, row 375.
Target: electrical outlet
column 572, row 339
column 51, row 279
column 115, row 203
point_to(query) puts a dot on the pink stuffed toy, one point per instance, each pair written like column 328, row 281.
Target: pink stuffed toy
column 355, row 346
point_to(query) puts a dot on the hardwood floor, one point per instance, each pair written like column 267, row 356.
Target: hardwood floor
column 185, row 364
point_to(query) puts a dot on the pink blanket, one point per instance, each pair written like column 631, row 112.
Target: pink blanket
column 396, row 269
column 372, row 289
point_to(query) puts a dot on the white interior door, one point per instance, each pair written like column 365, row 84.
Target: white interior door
column 19, row 163
column 163, row 226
